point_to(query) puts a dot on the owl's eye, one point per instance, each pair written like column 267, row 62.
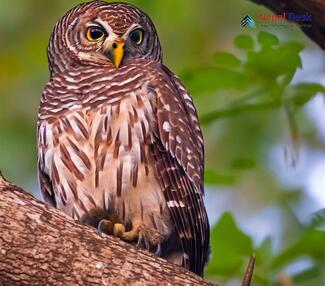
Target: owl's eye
column 136, row 36
column 95, row 34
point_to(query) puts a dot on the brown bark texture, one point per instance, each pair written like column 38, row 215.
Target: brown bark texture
column 39, row 245
column 315, row 7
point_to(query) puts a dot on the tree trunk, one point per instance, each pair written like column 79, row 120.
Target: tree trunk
column 314, row 7
column 39, row 245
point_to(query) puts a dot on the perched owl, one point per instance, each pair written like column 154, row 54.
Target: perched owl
column 119, row 143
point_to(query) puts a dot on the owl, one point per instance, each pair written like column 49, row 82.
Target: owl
column 119, row 143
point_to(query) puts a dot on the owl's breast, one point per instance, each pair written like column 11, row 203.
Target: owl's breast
column 99, row 157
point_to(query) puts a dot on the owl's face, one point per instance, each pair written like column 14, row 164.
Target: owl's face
column 103, row 33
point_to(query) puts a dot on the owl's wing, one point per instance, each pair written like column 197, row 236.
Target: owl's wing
column 45, row 182
column 46, row 187
column 179, row 158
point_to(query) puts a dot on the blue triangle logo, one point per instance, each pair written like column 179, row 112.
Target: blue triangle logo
column 248, row 21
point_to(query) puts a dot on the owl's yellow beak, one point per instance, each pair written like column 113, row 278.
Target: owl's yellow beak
column 118, row 52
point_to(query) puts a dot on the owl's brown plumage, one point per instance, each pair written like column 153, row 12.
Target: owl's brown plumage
column 119, row 143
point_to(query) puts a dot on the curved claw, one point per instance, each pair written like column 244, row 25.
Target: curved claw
column 139, row 241
column 105, row 226
column 143, row 239
column 158, row 249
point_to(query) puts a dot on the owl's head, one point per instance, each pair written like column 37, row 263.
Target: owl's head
column 101, row 33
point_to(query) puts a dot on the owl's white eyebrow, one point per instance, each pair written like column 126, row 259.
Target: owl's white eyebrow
column 92, row 24
column 102, row 23
column 131, row 28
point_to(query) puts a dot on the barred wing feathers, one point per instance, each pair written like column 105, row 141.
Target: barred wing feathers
column 179, row 156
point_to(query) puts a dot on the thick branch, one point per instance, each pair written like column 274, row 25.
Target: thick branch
column 39, row 245
column 315, row 7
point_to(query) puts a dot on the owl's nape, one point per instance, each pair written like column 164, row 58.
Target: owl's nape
column 99, row 33
column 119, row 143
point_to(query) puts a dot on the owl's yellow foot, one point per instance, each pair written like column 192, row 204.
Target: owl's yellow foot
column 145, row 237
column 105, row 226
column 119, row 230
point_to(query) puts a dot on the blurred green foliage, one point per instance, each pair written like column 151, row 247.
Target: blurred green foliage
column 231, row 245
column 263, row 77
column 231, row 248
column 246, row 101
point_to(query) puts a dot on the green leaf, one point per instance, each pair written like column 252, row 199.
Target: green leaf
column 311, row 87
column 230, row 247
column 272, row 62
column 244, row 42
column 304, row 92
column 318, row 219
column 238, row 110
column 312, row 275
column 210, row 79
column 213, row 178
column 311, row 242
column 265, row 249
column 226, row 59
column 264, row 256
column 267, row 39
column 295, row 47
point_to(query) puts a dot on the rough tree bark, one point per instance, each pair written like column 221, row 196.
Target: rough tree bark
column 315, row 7
column 39, row 245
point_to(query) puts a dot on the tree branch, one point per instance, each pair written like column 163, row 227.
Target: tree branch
column 315, row 7
column 39, row 245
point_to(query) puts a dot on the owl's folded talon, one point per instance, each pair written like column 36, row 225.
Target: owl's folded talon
column 142, row 239
column 105, row 226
